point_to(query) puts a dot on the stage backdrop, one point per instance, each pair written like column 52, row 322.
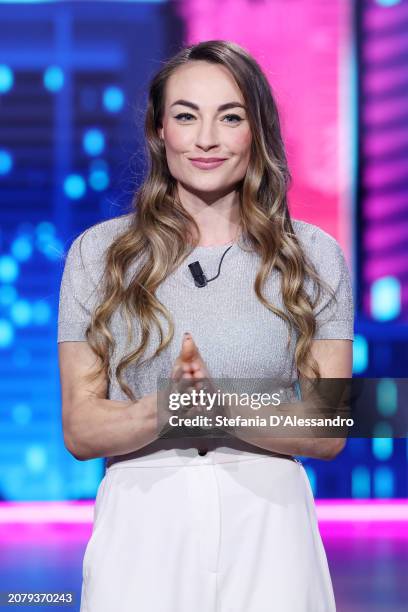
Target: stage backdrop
column 73, row 77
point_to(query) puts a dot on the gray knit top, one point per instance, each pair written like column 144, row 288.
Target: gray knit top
column 236, row 335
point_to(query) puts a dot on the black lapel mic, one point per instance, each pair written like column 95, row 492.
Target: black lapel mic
column 200, row 279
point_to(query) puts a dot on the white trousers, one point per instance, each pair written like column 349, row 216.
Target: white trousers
column 229, row 531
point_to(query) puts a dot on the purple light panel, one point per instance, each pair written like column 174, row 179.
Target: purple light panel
column 384, row 147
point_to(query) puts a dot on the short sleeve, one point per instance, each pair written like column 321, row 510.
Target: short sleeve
column 78, row 295
column 334, row 317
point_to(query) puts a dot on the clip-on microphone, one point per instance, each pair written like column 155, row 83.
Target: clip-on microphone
column 200, row 279
column 198, row 274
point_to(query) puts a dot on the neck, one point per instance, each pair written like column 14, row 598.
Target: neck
column 213, row 242
column 217, row 217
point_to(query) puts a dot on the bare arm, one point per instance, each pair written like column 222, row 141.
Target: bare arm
column 94, row 426
column 335, row 361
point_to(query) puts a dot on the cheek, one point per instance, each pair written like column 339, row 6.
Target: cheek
column 241, row 142
column 175, row 138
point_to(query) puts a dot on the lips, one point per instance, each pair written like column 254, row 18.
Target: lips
column 208, row 159
column 207, row 163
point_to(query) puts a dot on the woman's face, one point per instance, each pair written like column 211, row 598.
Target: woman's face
column 205, row 117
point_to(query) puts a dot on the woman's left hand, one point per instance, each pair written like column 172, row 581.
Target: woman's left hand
column 193, row 364
column 195, row 368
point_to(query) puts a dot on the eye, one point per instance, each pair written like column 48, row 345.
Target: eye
column 183, row 115
column 187, row 116
column 236, row 117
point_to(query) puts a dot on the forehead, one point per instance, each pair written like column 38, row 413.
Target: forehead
column 202, row 83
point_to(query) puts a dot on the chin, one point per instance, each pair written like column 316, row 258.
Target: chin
column 204, row 185
column 215, row 191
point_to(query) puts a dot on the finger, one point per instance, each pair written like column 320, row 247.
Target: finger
column 187, row 340
column 178, row 361
column 200, row 373
column 177, row 373
column 189, row 347
column 200, row 384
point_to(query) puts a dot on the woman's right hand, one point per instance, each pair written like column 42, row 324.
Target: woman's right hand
column 182, row 380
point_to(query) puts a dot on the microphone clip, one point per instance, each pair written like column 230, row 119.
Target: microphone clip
column 200, row 279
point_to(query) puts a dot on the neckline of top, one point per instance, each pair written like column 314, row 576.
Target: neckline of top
column 219, row 248
column 213, row 247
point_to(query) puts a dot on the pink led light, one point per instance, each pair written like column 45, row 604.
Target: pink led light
column 397, row 531
column 46, row 512
column 328, row 510
column 355, row 510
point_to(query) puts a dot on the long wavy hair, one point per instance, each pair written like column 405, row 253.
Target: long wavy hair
column 161, row 229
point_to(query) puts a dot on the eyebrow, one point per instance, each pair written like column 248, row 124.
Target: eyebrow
column 220, row 108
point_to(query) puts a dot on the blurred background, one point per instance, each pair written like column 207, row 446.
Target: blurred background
column 73, row 79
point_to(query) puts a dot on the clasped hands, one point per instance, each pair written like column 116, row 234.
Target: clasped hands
column 189, row 373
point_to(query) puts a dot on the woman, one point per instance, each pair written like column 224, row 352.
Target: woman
column 222, row 522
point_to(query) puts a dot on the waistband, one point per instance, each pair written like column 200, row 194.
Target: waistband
column 190, row 451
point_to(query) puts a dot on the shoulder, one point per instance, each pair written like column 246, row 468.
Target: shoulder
column 91, row 244
column 318, row 244
column 326, row 255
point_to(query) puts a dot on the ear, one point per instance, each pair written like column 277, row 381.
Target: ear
column 160, row 133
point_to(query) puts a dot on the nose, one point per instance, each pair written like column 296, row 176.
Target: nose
column 207, row 137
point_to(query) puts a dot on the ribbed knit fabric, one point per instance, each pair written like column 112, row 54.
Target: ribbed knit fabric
column 236, row 335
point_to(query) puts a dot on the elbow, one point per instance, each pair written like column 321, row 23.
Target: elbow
column 73, row 448
column 332, row 448
column 72, row 429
